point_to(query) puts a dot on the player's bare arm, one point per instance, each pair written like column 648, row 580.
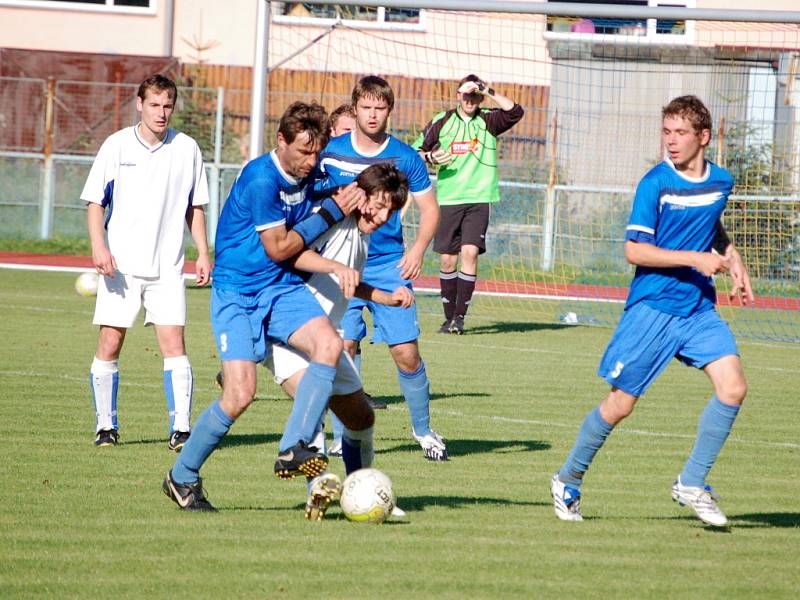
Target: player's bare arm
column 312, row 262
column 281, row 244
column 101, row 255
column 411, row 263
column 648, row 255
column 402, row 296
column 196, row 220
column 741, row 287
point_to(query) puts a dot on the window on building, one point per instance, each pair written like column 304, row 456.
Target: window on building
column 621, row 28
column 311, row 13
column 138, row 6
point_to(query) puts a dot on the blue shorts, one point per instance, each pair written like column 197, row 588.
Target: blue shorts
column 245, row 324
column 391, row 324
column 646, row 340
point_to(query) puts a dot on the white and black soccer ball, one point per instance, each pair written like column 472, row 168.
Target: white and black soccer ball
column 86, row 284
column 367, row 496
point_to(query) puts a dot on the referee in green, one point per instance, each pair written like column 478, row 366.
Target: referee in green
column 461, row 143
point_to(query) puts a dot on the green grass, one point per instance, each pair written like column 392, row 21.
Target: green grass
column 81, row 522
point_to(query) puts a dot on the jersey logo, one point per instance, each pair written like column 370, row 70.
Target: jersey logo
column 464, row 147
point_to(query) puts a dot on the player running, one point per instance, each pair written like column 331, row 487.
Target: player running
column 674, row 225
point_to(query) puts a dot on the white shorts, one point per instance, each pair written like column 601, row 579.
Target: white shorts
column 284, row 362
column 119, row 298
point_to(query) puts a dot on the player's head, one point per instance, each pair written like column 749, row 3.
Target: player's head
column 470, row 103
column 685, row 129
column 155, row 100
column 373, row 101
column 342, row 120
column 302, row 133
column 386, row 188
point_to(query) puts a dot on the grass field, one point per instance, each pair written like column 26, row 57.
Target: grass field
column 81, row 522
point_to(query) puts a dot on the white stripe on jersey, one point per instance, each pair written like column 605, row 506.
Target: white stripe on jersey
column 266, row 226
column 353, row 167
column 640, row 228
column 690, row 201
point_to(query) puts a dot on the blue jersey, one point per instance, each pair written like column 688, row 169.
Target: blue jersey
column 263, row 196
column 340, row 163
column 676, row 212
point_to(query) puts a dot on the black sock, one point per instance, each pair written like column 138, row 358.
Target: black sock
column 448, row 283
column 466, row 286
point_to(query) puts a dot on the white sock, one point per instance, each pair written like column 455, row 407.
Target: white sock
column 104, row 381
column 178, row 387
column 364, row 438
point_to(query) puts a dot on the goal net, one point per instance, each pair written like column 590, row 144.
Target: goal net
column 592, row 89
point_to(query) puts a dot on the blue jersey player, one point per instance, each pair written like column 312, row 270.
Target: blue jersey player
column 257, row 299
column 674, row 225
column 389, row 264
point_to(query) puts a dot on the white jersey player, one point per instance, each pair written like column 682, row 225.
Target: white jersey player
column 146, row 181
column 347, row 242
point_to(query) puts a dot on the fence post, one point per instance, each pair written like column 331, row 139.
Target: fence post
column 549, row 228
column 214, row 184
column 46, row 200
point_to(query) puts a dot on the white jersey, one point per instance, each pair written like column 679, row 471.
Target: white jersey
column 345, row 244
column 147, row 191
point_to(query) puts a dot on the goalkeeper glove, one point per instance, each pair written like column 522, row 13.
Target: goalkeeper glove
column 438, row 157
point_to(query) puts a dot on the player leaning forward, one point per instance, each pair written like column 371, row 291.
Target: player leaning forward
column 386, row 189
column 673, row 228
column 151, row 179
column 257, row 297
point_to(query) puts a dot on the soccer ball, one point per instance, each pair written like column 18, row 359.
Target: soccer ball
column 86, row 284
column 367, row 496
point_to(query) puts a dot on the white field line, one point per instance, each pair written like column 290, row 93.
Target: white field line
column 23, row 267
column 451, row 413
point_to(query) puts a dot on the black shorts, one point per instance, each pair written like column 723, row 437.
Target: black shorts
column 461, row 225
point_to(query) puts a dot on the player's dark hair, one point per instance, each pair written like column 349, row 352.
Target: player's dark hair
column 385, row 177
column 345, row 110
column 300, row 117
column 158, row 83
column 373, row 86
column 690, row 108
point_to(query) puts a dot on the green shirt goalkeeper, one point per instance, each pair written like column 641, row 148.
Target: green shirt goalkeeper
column 461, row 144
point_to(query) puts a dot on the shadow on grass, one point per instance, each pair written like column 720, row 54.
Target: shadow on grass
column 465, row 447
column 420, row 503
column 434, row 396
column 512, row 327
column 778, row 519
column 230, row 440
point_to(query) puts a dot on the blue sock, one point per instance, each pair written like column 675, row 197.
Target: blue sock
column 336, row 426
column 208, row 432
column 310, row 402
column 591, row 437
column 712, row 431
column 357, row 449
column 351, row 455
column 416, row 390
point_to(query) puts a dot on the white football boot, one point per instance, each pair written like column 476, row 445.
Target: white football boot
column 566, row 500
column 702, row 500
column 433, row 445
